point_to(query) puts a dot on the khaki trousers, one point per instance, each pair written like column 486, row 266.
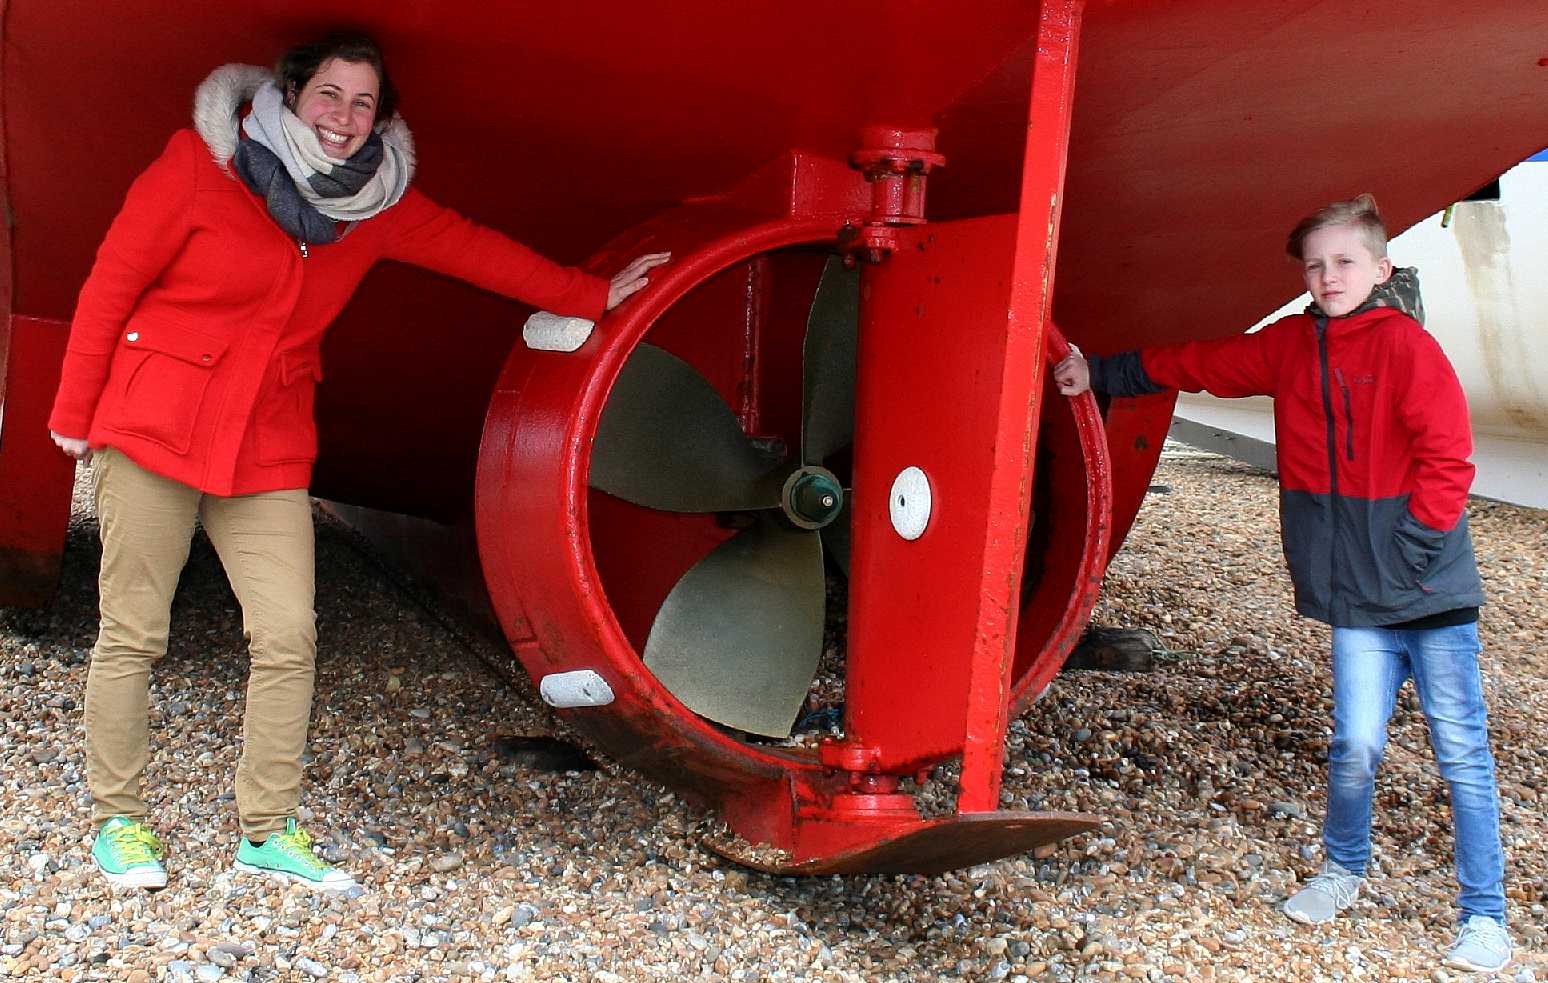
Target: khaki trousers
column 265, row 542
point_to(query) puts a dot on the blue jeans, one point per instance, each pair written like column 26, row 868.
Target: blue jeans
column 1369, row 666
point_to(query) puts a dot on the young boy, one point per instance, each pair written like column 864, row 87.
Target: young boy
column 1372, row 439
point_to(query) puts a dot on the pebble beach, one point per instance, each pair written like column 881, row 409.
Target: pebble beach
column 477, row 865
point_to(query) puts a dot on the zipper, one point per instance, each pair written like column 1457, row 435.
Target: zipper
column 1327, row 412
column 1348, row 414
column 302, row 244
column 1327, row 407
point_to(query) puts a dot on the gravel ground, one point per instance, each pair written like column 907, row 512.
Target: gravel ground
column 1209, row 769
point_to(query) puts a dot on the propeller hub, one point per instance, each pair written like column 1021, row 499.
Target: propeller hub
column 813, row 497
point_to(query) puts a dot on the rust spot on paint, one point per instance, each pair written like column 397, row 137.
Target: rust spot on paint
column 1513, row 396
column 1523, row 419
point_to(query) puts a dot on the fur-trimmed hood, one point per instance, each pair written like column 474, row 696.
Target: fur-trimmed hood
column 217, row 114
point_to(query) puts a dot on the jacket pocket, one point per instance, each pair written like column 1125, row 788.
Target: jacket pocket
column 1374, row 577
column 1417, row 544
column 285, row 430
column 167, row 371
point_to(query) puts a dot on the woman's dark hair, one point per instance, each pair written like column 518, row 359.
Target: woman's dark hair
column 297, row 66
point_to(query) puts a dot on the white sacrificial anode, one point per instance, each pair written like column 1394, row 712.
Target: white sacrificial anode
column 909, row 503
column 546, row 332
column 576, row 688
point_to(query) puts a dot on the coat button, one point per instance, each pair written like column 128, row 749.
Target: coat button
column 204, row 358
column 132, row 336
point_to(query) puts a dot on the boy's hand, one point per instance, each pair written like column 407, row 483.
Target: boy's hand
column 1072, row 374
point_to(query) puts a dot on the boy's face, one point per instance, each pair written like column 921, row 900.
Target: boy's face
column 1340, row 269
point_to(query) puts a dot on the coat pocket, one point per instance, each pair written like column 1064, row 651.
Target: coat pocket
column 167, row 368
column 285, row 431
column 1373, row 575
column 1418, row 545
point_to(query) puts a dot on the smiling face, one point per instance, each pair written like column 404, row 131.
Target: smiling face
column 1340, row 268
column 339, row 104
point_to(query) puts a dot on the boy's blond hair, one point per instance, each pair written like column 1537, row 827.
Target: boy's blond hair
column 1359, row 213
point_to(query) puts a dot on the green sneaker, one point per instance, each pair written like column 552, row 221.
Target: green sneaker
column 289, row 856
column 129, row 855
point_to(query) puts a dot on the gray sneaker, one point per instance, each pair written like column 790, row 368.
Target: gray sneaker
column 1325, row 895
column 1482, row 947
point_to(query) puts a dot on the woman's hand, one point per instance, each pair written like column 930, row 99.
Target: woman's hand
column 1072, row 374
column 73, row 446
column 631, row 279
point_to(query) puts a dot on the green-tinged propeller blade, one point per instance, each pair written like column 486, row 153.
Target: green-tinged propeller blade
column 739, row 636
column 828, row 385
column 667, row 440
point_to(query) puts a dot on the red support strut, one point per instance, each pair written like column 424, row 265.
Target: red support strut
column 952, row 343
column 1037, row 244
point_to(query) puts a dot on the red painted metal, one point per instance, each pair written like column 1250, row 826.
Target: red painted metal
column 939, row 845
column 534, row 510
column 1136, row 432
column 597, row 569
column 951, row 344
column 577, row 576
column 934, row 360
column 1186, row 109
column 897, row 163
column 1029, row 313
column 1190, row 151
column 35, row 476
column 1071, row 539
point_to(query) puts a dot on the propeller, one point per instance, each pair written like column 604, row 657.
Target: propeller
column 739, row 636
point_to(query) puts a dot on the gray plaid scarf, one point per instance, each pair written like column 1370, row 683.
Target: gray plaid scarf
column 307, row 191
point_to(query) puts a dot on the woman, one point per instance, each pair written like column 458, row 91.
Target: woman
column 190, row 373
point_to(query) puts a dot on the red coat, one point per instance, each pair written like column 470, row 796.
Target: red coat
column 1372, row 438
column 1367, row 408
column 194, row 348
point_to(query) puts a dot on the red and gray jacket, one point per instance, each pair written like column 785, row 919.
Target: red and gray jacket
column 1372, row 436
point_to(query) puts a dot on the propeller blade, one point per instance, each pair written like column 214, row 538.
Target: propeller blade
column 667, row 441
column 738, row 639
column 828, row 386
